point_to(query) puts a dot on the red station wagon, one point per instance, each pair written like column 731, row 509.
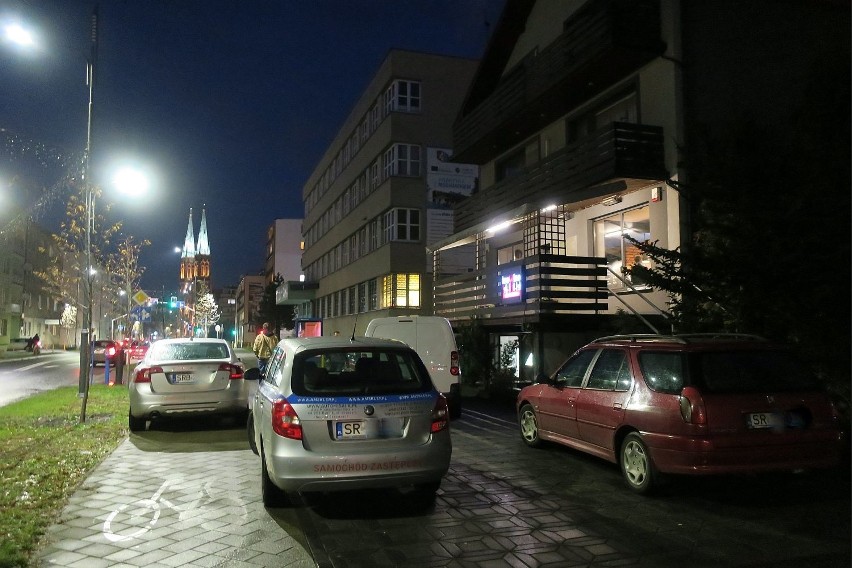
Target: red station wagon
column 685, row 404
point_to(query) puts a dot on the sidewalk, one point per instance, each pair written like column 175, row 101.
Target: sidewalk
column 156, row 501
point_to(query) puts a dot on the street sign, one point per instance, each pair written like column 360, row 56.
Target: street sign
column 140, row 297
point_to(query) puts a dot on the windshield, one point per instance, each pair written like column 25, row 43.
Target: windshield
column 351, row 372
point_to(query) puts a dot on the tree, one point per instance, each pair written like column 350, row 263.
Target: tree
column 124, row 265
column 206, row 309
column 770, row 250
column 278, row 316
column 68, row 321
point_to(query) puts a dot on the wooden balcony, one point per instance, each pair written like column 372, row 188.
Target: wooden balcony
column 632, row 153
column 602, row 43
column 525, row 290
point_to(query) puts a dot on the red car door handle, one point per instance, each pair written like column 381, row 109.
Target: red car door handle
column 617, row 406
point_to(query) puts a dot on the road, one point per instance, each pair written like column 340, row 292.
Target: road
column 36, row 373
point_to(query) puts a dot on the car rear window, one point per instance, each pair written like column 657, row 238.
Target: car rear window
column 349, row 372
column 730, row 371
column 188, row 351
column 750, row 371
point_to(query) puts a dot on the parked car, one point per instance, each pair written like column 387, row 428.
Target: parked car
column 187, row 377
column 433, row 339
column 18, row 344
column 374, row 421
column 103, row 349
column 136, row 351
column 686, row 404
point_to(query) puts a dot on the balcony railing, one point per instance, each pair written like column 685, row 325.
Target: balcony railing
column 601, row 44
column 546, row 284
column 620, row 151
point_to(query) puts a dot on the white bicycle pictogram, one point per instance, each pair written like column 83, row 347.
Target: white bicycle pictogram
column 135, row 519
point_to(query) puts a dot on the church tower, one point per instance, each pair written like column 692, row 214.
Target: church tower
column 202, row 253
column 187, row 259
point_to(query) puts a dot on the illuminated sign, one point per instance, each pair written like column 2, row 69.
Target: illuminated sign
column 512, row 287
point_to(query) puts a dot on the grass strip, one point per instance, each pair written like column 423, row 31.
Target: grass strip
column 46, row 454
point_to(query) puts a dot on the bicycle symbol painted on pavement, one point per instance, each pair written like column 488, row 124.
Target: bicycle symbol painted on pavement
column 135, row 519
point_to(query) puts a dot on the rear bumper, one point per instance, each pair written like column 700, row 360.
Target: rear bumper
column 293, row 468
column 700, row 456
column 145, row 404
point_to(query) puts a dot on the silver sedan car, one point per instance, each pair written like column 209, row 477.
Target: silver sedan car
column 335, row 414
column 186, row 377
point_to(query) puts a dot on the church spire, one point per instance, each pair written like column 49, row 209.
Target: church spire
column 203, row 246
column 189, row 241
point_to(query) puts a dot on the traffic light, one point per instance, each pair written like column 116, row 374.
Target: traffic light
column 173, row 302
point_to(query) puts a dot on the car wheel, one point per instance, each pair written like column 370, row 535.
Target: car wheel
column 135, row 424
column 636, row 465
column 250, row 430
column 273, row 496
column 529, row 426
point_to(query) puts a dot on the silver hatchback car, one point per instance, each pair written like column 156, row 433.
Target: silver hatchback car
column 187, row 376
column 334, row 414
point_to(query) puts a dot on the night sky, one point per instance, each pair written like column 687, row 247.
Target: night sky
column 226, row 104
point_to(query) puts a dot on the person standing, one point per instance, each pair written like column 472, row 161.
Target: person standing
column 264, row 343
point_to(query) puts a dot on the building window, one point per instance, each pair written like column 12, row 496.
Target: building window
column 362, row 297
column 401, row 291
column 373, row 294
column 402, row 225
column 620, row 253
column 402, row 96
column 402, row 160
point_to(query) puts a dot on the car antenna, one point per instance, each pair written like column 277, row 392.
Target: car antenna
column 353, row 328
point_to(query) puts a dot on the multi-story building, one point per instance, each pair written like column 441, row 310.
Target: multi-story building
column 226, row 300
column 246, row 306
column 284, row 248
column 369, row 212
column 577, row 118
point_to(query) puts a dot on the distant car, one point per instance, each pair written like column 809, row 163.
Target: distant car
column 103, row 349
column 187, row 377
column 136, row 351
column 334, row 414
column 685, row 404
column 18, row 344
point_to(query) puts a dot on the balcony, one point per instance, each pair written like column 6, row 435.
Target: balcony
column 629, row 153
column 602, row 43
column 527, row 290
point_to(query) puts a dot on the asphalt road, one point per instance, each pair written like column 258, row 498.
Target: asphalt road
column 27, row 374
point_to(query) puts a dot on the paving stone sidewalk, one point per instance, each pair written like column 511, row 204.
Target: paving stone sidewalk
column 144, row 507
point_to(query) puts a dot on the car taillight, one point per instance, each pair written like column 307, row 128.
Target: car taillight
column 692, row 406
column 285, row 421
column 110, row 352
column 144, row 375
column 440, row 415
column 234, row 371
column 454, row 363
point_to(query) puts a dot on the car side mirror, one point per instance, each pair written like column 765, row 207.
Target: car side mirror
column 253, row 374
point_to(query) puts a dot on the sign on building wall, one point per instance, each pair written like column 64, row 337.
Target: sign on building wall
column 447, row 183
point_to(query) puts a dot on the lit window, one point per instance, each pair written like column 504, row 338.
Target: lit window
column 401, row 291
column 620, row 253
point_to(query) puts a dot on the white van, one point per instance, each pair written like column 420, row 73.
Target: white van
column 432, row 337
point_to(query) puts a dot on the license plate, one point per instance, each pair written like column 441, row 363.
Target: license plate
column 351, row 430
column 759, row 420
column 182, row 378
